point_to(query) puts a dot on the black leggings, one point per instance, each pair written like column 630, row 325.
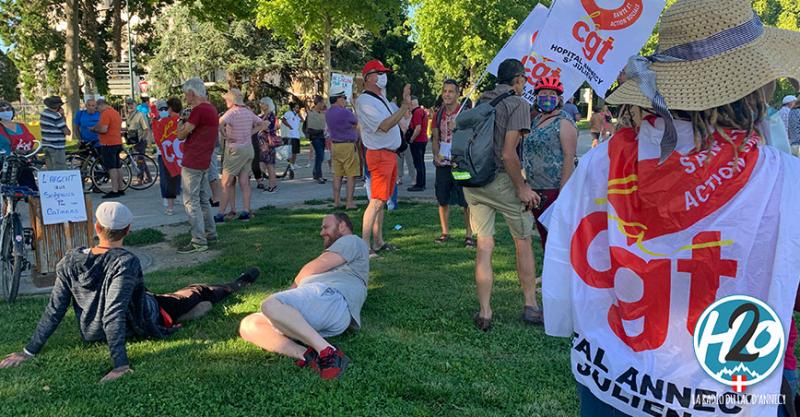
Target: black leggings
column 180, row 302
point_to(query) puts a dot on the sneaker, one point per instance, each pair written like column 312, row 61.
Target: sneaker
column 201, row 309
column 169, row 212
column 231, row 215
column 244, row 216
column 112, row 194
column 120, row 193
column 193, row 248
column 212, row 239
column 248, row 277
column 219, row 218
column 331, row 363
column 309, row 358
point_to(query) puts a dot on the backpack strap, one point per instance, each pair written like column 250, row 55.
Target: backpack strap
column 502, row 97
column 370, row 93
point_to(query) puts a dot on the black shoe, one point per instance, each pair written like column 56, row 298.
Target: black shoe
column 112, row 194
column 320, row 180
column 248, row 277
column 213, row 203
column 120, row 193
column 415, row 189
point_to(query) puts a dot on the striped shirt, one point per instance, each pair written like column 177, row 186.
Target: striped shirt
column 239, row 122
column 52, row 124
column 794, row 127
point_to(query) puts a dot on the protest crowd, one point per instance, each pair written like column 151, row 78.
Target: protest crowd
column 685, row 198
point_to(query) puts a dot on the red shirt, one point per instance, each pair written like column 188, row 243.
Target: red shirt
column 419, row 117
column 200, row 144
column 20, row 140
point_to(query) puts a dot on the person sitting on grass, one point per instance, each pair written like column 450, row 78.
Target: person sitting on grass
column 105, row 285
column 324, row 301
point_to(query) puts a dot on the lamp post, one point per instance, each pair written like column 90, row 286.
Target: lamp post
column 130, row 48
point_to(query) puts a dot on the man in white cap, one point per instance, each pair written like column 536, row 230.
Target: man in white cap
column 105, row 285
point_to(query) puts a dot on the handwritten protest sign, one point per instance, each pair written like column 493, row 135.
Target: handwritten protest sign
column 165, row 132
column 344, row 82
column 593, row 43
column 61, row 195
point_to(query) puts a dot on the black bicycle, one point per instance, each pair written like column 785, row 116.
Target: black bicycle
column 14, row 238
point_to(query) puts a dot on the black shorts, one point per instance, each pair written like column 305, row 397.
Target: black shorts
column 109, row 156
column 448, row 193
column 295, row 142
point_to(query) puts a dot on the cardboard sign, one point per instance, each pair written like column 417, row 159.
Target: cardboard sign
column 61, row 195
column 165, row 132
column 344, row 82
column 594, row 43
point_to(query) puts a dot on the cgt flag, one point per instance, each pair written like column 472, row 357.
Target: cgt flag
column 638, row 252
column 521, row 47
column 593, row 43
column 165, row 132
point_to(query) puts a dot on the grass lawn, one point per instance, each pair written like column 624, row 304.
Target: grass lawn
column 418, row 353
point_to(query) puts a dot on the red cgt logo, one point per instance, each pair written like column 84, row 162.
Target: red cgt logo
column 614, row 19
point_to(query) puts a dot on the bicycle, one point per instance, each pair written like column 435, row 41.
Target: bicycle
column 142, row 166
column 13, row 236
column 95, row 175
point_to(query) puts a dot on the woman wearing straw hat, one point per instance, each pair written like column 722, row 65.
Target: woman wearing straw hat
column 690, row 203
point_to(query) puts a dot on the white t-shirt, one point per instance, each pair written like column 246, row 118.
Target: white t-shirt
column 370, row 112
column 293, row 130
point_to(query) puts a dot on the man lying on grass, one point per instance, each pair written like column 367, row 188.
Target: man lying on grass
column 106, row 288
column 324, row 301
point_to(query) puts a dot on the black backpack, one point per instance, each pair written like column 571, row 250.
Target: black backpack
column 473, row 144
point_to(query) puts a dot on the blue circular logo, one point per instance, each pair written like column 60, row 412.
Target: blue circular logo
column 739, row 341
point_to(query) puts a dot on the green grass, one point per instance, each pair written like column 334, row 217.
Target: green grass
column 583, row 125
column 418, row 353
column 144, row 237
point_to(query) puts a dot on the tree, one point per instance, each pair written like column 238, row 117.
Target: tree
column 395, row 49
column 72, row 58
column 316, row 20
column 8, row 79
column 457, row 36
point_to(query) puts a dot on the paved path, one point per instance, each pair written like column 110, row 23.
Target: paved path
column 149, row 212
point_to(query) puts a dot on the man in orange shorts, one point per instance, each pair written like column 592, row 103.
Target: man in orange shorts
column 378, row 118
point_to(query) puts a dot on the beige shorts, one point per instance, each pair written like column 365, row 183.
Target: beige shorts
column 345, row 160
column 238, row 160
column 498, row 196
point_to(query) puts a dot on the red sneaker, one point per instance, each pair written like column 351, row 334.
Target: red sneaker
column 309, row 359
column 331, row 363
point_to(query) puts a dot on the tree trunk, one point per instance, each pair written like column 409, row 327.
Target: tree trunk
column 116, row 30
column 326, row 57
column 72, row 60
column 90, row 32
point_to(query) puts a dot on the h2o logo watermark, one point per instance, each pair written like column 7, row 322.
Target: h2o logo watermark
column 739, row 341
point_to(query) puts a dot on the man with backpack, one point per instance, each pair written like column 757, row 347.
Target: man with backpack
column 507, row 193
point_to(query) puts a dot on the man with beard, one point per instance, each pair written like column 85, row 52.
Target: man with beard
column 324, row 301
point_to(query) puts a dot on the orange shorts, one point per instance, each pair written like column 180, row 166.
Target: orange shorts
column 383, row 173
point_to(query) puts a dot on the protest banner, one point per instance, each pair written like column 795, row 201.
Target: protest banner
column 520, row 47
column 640, row 265
column 165, row 132
column 61, row 194
column 593, row 43
column 344, row 82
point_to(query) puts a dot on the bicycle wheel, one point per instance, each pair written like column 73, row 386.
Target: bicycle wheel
column 82, row 164
column 101, row 179
column 12, row 262
column 144, row 170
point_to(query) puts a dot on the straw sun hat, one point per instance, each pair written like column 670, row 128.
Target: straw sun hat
column 745, row 66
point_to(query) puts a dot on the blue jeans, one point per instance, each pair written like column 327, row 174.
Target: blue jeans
column 319, row 156
column 392, row 203
column 791, row 378
column 170, row 186
column 591, row 406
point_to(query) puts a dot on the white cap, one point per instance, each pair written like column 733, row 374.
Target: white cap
column 337, row 91
column 113, row 215
column 789, row 99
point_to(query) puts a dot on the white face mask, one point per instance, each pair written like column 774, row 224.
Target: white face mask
column 163, row 114
column 382, row 80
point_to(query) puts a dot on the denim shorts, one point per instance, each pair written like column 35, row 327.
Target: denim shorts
column 323, row 307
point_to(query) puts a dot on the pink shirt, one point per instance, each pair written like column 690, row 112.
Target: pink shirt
column 239, row 122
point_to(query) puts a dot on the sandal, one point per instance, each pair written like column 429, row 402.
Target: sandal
column 442, row 239
column 469, row 242
column 533, row 316
column 481, row 323
column 272, row 189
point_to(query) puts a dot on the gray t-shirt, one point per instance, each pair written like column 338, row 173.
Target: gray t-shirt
column 350, row 278
column 513, row 113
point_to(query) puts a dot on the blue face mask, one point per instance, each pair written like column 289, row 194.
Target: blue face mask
column 547, row 103
column 6, row 115
column 163, row 114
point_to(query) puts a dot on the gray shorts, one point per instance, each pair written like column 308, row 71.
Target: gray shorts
column 213, row 169
column 323, row 307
